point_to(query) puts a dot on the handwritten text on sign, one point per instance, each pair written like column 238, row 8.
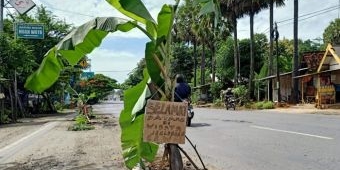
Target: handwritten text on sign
column 165, row 122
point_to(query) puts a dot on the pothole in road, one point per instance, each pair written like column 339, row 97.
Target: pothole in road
column 237, row 121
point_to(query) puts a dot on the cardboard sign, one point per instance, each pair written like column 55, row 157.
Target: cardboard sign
column 165, row 122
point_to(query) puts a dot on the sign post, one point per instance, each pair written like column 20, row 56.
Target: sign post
column 165, row 122
column 29, row 30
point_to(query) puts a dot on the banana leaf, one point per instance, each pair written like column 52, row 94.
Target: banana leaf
column 73, row 47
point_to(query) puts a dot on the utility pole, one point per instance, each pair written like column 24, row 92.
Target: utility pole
column 295, row 82
column 2, row 4
column 275, row 36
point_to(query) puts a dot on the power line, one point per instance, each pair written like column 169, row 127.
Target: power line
column 317, row 14
column 71, row 12
column 312, row 13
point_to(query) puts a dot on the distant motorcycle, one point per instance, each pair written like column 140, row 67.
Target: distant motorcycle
column 190, row 113
column 230, row 102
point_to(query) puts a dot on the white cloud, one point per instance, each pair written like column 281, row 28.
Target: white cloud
column 114, row 64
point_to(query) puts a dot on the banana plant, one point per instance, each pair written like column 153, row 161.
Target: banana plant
column 85, row 38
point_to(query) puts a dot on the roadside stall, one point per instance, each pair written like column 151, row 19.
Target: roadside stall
column 328, row 78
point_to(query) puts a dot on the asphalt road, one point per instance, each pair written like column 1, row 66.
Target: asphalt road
column 247, row 140
column 266, row 140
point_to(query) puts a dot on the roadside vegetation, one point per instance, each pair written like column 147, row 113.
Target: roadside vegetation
column 191, row 40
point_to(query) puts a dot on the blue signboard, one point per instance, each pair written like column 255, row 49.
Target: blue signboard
column 86, row 75
column 29, row 30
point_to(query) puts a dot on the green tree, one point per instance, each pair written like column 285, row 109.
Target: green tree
column 136, row 75
column 100, row 85
column 332, row 32
column 182, row 62
column 232, row 10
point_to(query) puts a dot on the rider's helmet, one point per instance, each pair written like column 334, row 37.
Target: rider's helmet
column 180, row 78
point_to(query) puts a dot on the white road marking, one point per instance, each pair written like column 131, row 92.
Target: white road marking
column 12, row 148
column 297, row 133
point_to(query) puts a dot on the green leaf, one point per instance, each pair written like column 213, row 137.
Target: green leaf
column 73, row 48
column 151, row 29
column 151, row 64
column 207, row 8
column 88, row 36
column 134, row 149
column 46, row 75
column 165, row 21
column 134, row 9
column 70, row 90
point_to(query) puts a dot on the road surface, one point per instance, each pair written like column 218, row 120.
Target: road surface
column 226, row 140
column 266, row 140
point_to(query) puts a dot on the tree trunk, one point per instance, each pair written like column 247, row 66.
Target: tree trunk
column 195, row 62
column 49, row 103
column 213, row 62
column 236, row 52
column 203, row 66
column 271, row 48
column 295, row 90
column 13, row 116
column 251, row 74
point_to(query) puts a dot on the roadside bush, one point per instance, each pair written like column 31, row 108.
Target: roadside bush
column 218, row 103
column 81, row 124
column 81, row 119
column 5, row 118
column 264, row 105
column 215, row 90
column 259, row 105
column 58, row 105
column 268, row 105
column 195, row 96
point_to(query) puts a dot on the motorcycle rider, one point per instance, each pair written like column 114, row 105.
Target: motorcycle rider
column 182, row 94
column 182, row 89
column 228, row 94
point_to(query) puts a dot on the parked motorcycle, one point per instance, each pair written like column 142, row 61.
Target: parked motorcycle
column 230, row 102
column 190, row 114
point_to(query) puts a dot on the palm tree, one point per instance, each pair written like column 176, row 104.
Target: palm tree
column 186, row 26
column 252, row 7
column 232, row 10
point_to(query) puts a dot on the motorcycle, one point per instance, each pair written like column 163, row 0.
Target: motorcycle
column 190, row 114
column 230, row 102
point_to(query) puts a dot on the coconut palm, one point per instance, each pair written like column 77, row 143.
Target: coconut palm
column 252, row 7
column 186, row 27
column 232, row 10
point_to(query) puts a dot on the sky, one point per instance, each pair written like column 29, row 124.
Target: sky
column 119, row 53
